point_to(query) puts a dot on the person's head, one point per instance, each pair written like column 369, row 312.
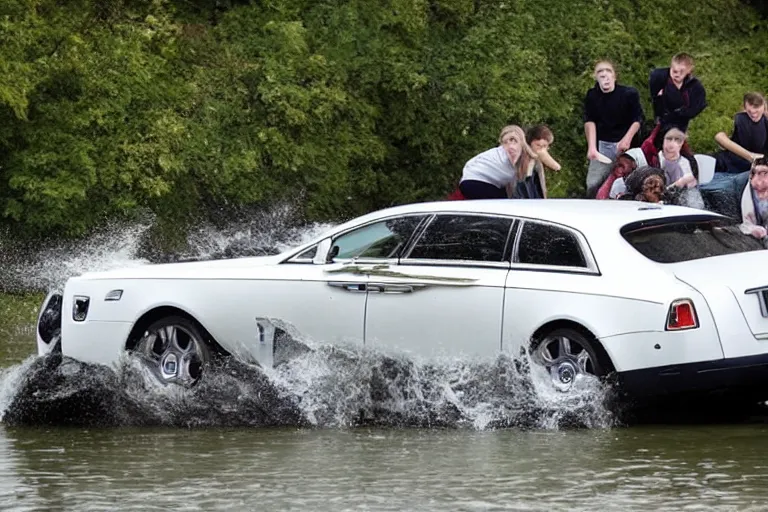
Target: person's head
column 539, row 137
column 680, row 67
column 512, row 139
column 646, row 184
column 758, row 174
column 672, row 143
column 605, row 75
column 754, row 106
column 653, row 189
column 623, row 165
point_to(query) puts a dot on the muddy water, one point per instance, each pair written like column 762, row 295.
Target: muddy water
column 337, row 465
column 660, row 468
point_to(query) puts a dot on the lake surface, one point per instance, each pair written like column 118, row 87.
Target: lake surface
column 659, row 467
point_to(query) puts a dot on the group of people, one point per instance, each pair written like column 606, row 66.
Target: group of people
column 659, row 168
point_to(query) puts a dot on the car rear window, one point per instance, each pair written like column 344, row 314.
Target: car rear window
column 682, row 239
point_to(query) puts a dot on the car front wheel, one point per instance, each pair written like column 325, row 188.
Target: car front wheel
column 175, row 350
column 567, row 355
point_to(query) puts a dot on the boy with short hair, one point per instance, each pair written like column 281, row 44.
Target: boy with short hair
column 612, row 117
column 677, row 95
column 750, row 132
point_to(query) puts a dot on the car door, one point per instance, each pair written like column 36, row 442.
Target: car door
column 327, row 289
column 553, row 277
column 445, row 295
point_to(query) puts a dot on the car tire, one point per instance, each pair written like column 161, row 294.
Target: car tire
column 567, row 353
column 175, row 349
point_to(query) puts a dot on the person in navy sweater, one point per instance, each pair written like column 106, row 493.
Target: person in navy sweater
column 677, row 95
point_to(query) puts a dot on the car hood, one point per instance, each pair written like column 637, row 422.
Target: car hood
column 183, row 270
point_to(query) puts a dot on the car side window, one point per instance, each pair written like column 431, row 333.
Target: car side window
column 463, row 237
column 545, row 244
column 307, row 255
column 383, row 239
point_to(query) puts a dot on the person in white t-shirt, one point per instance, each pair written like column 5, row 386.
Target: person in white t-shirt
column 493, row 173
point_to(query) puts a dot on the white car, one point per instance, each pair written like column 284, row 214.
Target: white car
column 667, row 298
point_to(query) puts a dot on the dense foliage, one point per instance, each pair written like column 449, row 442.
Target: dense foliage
column 111, row 106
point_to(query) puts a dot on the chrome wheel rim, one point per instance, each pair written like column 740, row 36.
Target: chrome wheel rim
column 565, row 359
column 175, row 354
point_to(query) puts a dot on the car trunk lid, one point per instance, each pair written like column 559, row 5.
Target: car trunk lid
column 744, row 275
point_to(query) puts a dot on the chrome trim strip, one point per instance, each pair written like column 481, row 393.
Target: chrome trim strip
column 395, row 288
column 113, row 295
column 456, row 263
column 554, row 269
column 350, row 287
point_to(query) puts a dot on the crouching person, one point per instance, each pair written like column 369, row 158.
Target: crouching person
column 531, row 180
column 614, row 186
column 493, row 174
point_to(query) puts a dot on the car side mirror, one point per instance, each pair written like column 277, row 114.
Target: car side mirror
column 322, row 252
column 332, row 254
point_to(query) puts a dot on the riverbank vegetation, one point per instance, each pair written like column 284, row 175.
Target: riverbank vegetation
column 182, row 107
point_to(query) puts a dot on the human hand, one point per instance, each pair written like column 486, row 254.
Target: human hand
column 686, row 181
column 623, row 145
column 759, row 232
column 592, row 154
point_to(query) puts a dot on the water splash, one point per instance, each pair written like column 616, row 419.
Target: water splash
column 325, row 387
column 49, row 265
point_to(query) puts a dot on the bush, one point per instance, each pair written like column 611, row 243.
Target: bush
column 110, row 107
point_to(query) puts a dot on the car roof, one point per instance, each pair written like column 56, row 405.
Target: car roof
column 581, row 214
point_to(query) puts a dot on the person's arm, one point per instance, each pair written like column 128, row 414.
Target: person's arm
column 727, row 144
column 697, row 101
column 605, row 189
column 656, row 83
column 633, row 101
column 649, row 149
column 590, row 128
column 545, row 158
column 750, row 227
column 626, row 141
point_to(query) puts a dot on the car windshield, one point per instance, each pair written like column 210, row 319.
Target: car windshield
column 673, row 240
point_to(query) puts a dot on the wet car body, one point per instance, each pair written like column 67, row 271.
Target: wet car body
column 667, row 299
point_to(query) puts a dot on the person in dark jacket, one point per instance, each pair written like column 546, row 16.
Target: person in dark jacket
column 677, row 95
column 750, row 132
column 612, row 117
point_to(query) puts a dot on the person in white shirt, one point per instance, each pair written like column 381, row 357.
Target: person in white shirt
column 493, row 173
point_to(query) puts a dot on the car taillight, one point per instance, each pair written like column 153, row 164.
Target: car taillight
column 682, row 315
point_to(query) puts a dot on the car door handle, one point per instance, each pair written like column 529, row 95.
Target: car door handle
column 350, row 287
column 393, row 288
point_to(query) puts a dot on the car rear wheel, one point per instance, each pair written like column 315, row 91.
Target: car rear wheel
column 175, row 350
column 567, row 355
